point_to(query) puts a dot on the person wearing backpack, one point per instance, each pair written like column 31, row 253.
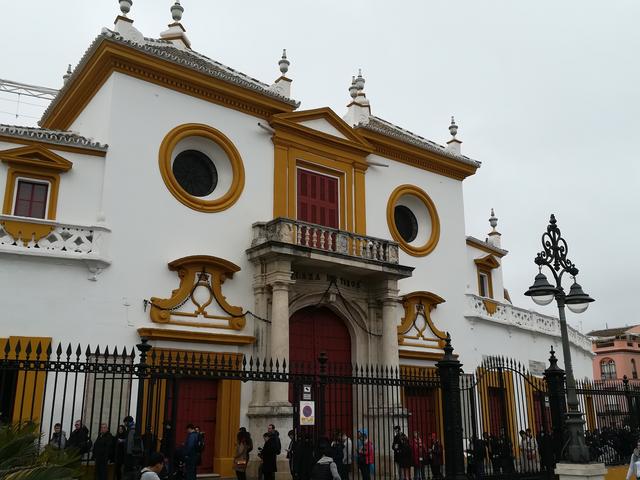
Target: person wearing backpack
column 199, row 444
column 133, row 449
column 325, row 468
column 153, row 468
column 190, row 451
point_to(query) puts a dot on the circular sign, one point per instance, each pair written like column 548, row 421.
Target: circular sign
column 307, row 411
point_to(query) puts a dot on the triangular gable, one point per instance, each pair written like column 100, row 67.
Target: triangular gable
column 488, row 262
column 36, row 156
column 322, row 122
column 324, row 126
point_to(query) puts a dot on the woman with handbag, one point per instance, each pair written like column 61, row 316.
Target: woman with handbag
column 241, row 458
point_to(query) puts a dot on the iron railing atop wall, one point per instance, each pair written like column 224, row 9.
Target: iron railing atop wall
column 476, row 416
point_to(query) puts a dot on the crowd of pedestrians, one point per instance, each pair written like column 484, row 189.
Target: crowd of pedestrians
column 126, row 451
column 338, row 457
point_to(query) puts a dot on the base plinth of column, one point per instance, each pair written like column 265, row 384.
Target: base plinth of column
column 583, row 471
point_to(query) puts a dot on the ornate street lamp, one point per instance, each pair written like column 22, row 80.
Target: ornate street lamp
column 554, row 256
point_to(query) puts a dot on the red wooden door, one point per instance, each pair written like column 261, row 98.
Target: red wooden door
column 496, row 410
column 196, row 404
column 421, row 404
column 311, row 331
column 317, row 198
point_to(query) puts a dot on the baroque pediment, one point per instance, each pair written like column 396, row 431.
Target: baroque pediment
column 321, row 124
column 198, row 300
column 417, row 328
column 37, row 156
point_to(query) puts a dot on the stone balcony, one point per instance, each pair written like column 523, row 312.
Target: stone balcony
column 480, row 308
column 316, row 245
column 49, row 239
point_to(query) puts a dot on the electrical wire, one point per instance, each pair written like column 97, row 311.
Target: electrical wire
column 347, row 307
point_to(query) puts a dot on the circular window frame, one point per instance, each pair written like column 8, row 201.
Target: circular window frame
column 432, row 242
column 165, row 154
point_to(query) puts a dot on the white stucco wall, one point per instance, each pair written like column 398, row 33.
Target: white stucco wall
column 150, row 228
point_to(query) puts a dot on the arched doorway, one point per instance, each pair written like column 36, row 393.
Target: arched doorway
column 313, row 330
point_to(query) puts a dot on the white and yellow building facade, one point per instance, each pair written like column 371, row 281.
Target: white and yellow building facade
column 166, row 196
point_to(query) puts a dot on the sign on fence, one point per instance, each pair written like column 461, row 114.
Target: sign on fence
column 307, row 412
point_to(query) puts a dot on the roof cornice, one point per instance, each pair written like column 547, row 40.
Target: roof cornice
column 486, row 247
column 110, row 53
column 401, row 150
column 55, row 139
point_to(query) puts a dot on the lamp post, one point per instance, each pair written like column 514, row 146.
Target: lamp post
column 554, row 256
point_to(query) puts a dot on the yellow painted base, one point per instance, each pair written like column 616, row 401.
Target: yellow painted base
column 224, row 467
column 617, row 473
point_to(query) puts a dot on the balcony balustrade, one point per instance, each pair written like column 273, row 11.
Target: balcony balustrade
column 324, row 244
column 506, row 314
column 55, row 240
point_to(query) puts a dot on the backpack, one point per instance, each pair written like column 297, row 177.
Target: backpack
column 200, row 443
column 322, row 471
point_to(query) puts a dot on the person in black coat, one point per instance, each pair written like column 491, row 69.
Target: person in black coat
column 103, row 451
column 120, row 450
column 79, row 438
column 269, row 456
column 304, row 458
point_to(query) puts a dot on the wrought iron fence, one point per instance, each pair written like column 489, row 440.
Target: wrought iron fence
column 498, row 421
column 507, row 422
column 612, row 415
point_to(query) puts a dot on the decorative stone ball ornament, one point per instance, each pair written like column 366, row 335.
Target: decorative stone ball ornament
column 176, row 11
column 125, row 6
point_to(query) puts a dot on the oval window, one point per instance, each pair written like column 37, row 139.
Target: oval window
column 195, row 172
column 406, row 223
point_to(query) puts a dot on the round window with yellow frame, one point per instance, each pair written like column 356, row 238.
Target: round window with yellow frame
column 413, row 220
column 201, row 167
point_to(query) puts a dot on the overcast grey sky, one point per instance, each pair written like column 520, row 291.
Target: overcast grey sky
column 546, row 94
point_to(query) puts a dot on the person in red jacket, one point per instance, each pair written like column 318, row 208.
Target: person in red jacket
column 419, row 456
column 365, row 454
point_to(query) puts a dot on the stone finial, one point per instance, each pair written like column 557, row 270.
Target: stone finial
column 453, row 145
column 284, row 62
column 494, row 235
column 353, row 89
column 359, row 107
column 360, row 81
column 493, row 220
column 125, row 6
column 453, row 128
column 176, row 33
column 176, row 11
column 67, row 75
column 282, row 85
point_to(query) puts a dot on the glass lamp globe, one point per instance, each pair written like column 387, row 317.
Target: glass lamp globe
column 543, row 299
column 578, row 307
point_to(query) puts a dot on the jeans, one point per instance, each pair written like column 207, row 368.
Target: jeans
column 190, row 469
column 365, row 471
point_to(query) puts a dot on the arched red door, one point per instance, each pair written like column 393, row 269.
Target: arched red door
column 313, row 330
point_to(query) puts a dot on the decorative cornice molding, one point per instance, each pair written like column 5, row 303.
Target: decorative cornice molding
column 160, row 63
column 486, row 247
column 432, row 161
column 59, row 140
column 194, row 337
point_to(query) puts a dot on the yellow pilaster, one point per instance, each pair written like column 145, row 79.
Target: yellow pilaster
column 227, row 425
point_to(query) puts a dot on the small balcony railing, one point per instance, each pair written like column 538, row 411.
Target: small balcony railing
column 320, row 238
column 507, row 314
column 48, row 238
